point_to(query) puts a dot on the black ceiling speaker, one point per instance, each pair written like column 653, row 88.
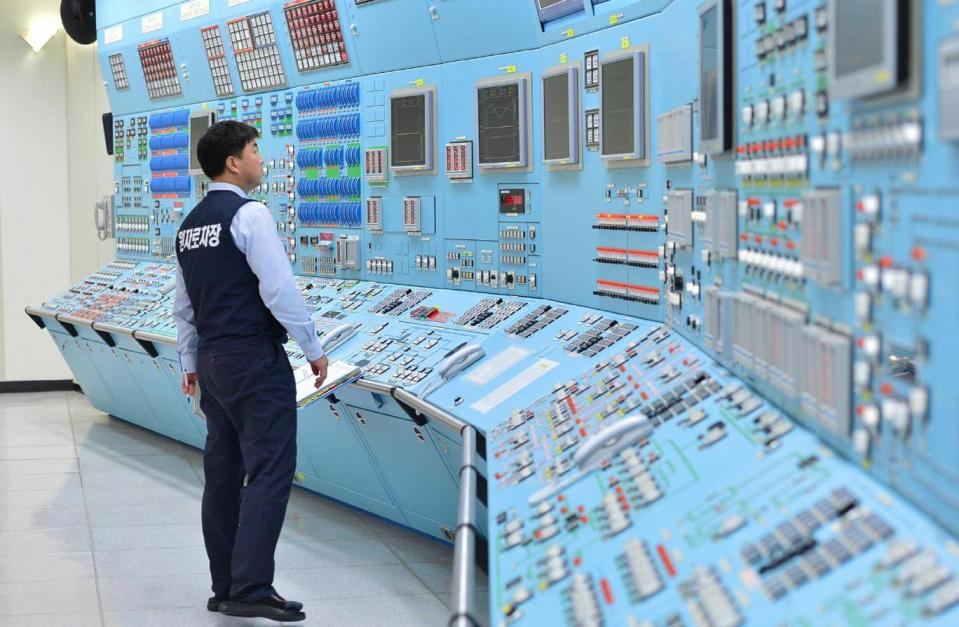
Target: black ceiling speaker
column 79, row 19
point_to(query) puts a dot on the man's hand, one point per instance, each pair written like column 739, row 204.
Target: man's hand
column 319, row 369
column 189, row 383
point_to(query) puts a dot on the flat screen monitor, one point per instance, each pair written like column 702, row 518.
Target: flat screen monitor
column 862, row 47
column 715, row 77
column 867, row 39
column 623, row 106
column 199, row 124
column 411, row 130
column 561, row 116
column 550, row 10
column 501, row 120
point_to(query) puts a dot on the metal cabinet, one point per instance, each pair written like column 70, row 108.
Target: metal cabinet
column 415, row 470
column 329, row 440
column 78, row 355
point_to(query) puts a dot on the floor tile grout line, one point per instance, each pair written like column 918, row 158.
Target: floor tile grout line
column 417, row 595
column 331, row 541
column 410, row 570
column 196, row 471
column 86, row 509
column 34, row 554
column 186, row 454
column 34, row 614
column 447, row 603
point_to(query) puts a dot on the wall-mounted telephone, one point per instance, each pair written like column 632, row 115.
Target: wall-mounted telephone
column 104, row 215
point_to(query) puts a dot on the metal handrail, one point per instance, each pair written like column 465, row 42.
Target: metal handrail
column 148, row 336
column 464, row 548
column 39, row 311
column 80, row 322
column 106, row 327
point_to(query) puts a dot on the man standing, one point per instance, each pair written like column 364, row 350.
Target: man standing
column 236, row 300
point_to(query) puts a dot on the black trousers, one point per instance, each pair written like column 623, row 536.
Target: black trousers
column 249, row 397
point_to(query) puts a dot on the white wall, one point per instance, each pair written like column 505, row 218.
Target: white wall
column 91, row 169
column 49, row 120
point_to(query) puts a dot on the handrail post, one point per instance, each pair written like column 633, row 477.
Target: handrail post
column 464, row 551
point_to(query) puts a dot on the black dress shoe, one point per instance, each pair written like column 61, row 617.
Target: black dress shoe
column 213, row 603
column 290, row 605
column 273, row 607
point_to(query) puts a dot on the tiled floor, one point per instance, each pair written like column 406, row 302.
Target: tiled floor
column 100, row 525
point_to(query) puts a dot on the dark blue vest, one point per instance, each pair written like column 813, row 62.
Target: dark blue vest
column 223, row 290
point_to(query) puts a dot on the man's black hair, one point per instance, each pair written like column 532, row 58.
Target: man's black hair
column 222, row 140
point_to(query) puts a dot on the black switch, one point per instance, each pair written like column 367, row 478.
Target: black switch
column 822, row 104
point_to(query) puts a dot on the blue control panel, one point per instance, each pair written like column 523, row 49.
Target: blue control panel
column 684, row 264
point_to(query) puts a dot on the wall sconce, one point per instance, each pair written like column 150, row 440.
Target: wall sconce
column 39, row 32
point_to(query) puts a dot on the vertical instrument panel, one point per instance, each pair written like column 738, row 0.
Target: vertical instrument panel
column 216, row 57
column 315, row 34
column 159, row 69
column 256, row 52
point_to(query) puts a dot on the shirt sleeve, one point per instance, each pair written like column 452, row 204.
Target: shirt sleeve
column 254, row 233
column 186, row 338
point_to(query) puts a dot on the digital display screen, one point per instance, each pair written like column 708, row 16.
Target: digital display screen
column 545, row 4
column 499, row 123
column 198, row 126
column 618, row 115
column 408, row 131
column 556, row 120
column 709, row 74
column 859, row 36
column 512, row 201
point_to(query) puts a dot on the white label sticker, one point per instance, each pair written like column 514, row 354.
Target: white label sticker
column 499, row 364
column 152, row 22
column 194, row 8
column 113, row 34
column 234, row 3
column 511, row 387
